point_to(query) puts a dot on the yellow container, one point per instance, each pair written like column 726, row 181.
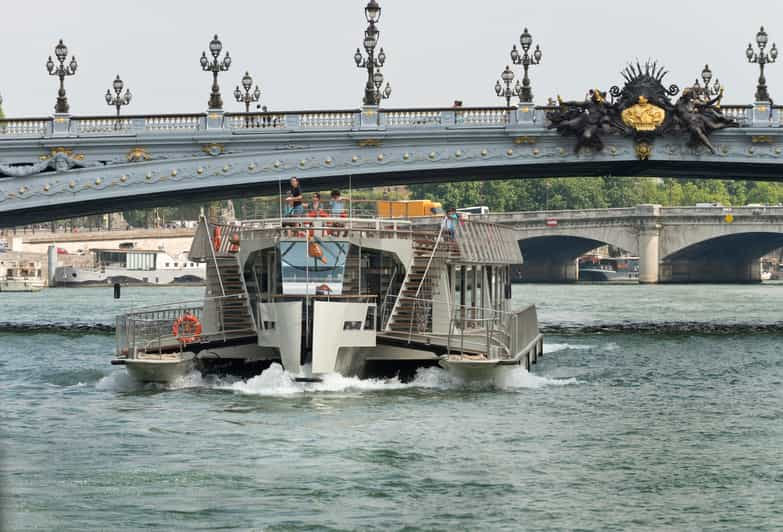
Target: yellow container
column 408, row 208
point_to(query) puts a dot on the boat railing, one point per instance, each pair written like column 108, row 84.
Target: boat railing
column 499, row 334
column 332, row 226
column 151, row 330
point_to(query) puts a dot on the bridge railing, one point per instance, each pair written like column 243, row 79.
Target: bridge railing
column 26, row 127
column 325, row 120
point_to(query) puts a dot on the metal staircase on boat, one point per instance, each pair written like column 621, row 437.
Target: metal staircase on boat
column 412, row 309
column 225, row 278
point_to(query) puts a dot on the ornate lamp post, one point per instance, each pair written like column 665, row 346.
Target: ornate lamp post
column 372, row 90
column 762, row 58
column 507, row 92
column 247, row 98
column 61, row 71
column 708, row 91
column 118, row 99
column 526, row 60
column 215, row 66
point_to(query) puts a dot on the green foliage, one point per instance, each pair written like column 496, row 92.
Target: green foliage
column 598, row 192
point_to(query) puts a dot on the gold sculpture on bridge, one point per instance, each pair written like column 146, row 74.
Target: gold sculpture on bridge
column 643, row 116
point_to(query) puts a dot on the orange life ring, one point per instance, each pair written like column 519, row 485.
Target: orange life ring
column 191, row 328
column 216, row 238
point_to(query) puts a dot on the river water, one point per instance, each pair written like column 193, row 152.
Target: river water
column 655, row 407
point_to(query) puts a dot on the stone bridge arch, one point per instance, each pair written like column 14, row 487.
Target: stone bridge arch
column 552, row 254
column 717, row 254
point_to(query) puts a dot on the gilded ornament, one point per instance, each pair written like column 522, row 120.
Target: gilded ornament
column 68, row 152
column 213, row 149
column 509, row 152
column 644, row 116
column 369, row 143
column 484, row 153
column 98, row 181
column 406, row 156
column 123, row 178
column 643, row 151
column 761, row 139
column 354, row 158
column 380, row 156
column 524, row 140
column 138, row 154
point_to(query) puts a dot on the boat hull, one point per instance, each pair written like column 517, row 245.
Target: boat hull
column 477, row 370
column 21, row 285
column 162, row 369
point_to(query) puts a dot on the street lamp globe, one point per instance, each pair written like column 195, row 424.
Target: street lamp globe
column 507, row 75
column 247, row 81
column 387, row 91
column 537, row 54
column 526, row 40
column 108, row 97
column 357, row 57
column 73, row 64
column 370, row 37
column 749, row 52
column 762, row 38
column 257, row 93
column 50, row 65
column 372, row 12
column 381, row 57
column 61, row 51
column 238, row 94
column 377, row 78
column 226, row 61
column 773, row 52
column 204, row 61
column 117, row 85
column 215, row 46
column 706, row 75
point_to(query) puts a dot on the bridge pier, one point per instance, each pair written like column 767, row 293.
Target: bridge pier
column 548, row 271
column 711, row 270
column 649, row 243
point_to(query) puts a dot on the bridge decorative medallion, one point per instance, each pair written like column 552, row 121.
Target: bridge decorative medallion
column 642, row 109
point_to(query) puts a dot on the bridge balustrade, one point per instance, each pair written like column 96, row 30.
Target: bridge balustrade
column 459, row 117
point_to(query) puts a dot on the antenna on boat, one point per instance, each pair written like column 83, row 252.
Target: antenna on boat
column 280, row 198
column 350, row 200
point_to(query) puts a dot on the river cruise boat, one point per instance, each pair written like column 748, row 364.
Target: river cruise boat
column 367, row 297
column 21, row 276
column 132, row 267
column 598, row 268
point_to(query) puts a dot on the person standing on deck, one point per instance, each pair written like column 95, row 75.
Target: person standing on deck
column 294, row 199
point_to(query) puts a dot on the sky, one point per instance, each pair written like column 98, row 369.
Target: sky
column 301, row 52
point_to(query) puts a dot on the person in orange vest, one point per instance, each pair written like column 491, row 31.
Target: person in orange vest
column 316, row 210
column 233, row 243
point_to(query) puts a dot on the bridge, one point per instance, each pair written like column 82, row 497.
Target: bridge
column 674, row 244
column 68, row 165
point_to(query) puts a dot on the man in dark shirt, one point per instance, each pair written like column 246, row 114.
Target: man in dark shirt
column 294, row 199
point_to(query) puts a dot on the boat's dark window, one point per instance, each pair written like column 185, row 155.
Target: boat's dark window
column 167, row 265
column 269, row 325
column 352, row 326
column 314, row 267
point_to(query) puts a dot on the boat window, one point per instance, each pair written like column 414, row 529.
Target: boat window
column 314, row 267
column 176, row 264
column 167, row 264
column 352, row 326
column 269, row 325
